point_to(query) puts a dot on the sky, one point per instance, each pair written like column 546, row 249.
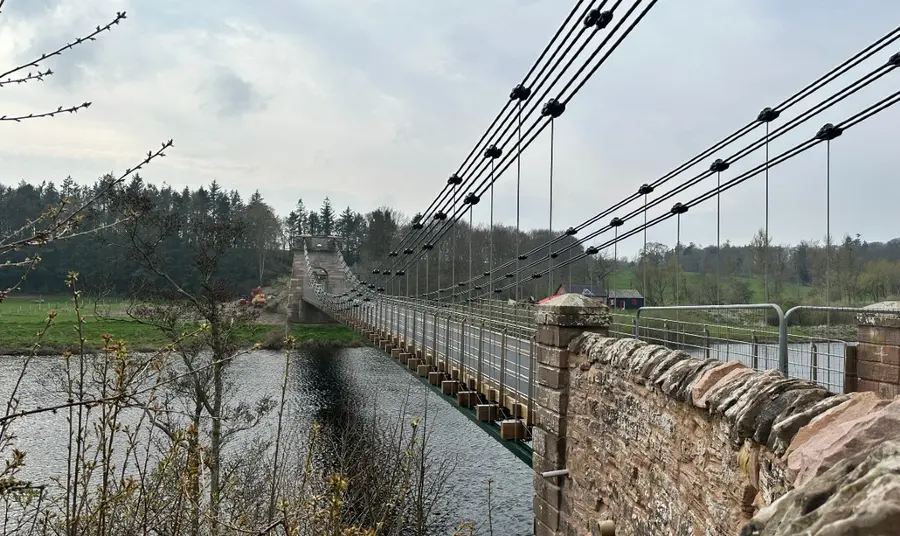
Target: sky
column 377, row 102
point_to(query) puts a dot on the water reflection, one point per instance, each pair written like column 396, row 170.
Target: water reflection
column 334, row 388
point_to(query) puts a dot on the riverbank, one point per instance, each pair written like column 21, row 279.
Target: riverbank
column 18, row 336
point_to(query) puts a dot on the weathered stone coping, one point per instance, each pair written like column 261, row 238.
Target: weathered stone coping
column 796, row 420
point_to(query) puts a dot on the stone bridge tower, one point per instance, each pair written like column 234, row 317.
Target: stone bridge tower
column 325, row 261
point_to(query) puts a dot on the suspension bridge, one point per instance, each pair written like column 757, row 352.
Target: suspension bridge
column 473, row 338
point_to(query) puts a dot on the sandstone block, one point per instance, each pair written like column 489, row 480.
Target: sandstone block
column 545, row 513
column 709, row 379
column 549, row 421
column 558, row 336
column 878, row 353
column 859, row 495
column 884, row 390
column 556, row 400
column 553, row 377
column 539, row 465
column 549, row 445
column 842, row 440
column 552, row 357
column 596, row 322
column 879, row 335
column 543, row 530
column 545, row 489
column 858, row 405
column 878, row 372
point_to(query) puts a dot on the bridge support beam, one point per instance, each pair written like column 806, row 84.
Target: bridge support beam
column 558, row 322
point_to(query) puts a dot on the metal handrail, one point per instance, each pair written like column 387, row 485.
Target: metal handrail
column 782, row 324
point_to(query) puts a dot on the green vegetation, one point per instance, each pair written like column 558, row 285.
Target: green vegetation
column 22, row 318
column 631, row 278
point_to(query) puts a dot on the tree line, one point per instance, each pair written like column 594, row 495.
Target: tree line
column 850, row 272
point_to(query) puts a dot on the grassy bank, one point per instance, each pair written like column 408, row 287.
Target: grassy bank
column 22, row 319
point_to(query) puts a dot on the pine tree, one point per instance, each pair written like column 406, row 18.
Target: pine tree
column 326, row 217
column 300, row 225
column 313, row 224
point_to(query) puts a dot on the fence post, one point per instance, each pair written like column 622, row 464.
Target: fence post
column 813, row 362
column 706, row 341
column 462, row 352
column 850, row 375
column 502, row 382
column 755, row 351
column 782, row 341
column 480, row 387
column 448, row 362
column 558, row 322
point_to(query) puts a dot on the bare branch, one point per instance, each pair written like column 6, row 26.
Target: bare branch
column 39, row 76
column 60, row 110
column 64, row 226
column 120, row 16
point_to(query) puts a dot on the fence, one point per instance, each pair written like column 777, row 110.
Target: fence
column 760, row 336
column 495, row 339
column 495, row 354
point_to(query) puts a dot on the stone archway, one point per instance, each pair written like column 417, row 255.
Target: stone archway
column 320, row 276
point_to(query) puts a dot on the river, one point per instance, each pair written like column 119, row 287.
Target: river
column 324, row 383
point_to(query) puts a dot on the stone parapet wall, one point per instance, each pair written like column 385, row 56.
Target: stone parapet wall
column 657, row 442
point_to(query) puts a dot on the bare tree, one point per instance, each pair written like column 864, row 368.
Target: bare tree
column 68, row 219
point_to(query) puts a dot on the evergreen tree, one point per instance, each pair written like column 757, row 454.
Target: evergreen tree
column 313, row 224
column 326, row 217
column 300, row 226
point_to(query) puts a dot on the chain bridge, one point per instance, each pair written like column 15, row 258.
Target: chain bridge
column 679, row 418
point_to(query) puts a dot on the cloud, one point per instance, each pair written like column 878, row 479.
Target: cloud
column 232, row 96
column 376, row 102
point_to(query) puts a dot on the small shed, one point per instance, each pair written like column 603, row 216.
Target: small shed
column 625, row 299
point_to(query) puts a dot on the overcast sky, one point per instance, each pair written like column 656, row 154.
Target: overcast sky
column 376, row 102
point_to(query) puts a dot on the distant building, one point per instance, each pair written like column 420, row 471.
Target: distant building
column 625, row 299
column 585, row 290
column 617, row 298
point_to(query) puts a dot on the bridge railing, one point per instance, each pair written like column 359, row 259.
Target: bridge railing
column 495, row 338
column 498, row 357
column 761, row 336
column 749, row 333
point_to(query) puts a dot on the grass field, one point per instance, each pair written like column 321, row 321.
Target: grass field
column 22, row 318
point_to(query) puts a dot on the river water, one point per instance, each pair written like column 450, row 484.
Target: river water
column 324, row 383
